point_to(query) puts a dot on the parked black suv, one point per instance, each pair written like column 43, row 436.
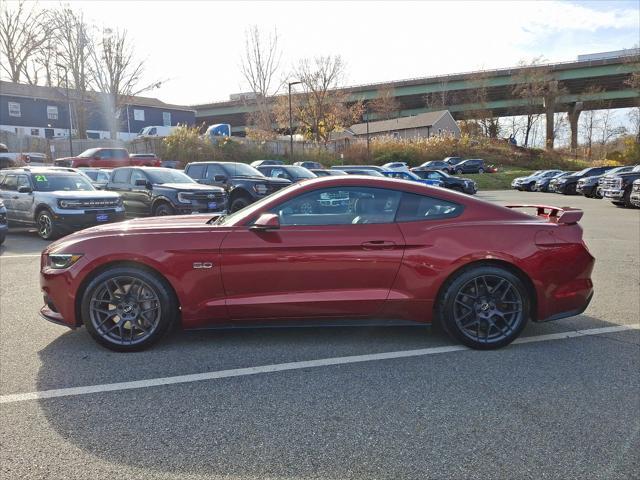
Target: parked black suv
column 567, row 184
column 473, row 165
column 163, row 191
column 588, row 186
column 243, row 183
column 617, row 188
column 464, row 185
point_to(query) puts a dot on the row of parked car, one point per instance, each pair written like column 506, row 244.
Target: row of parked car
column 620, row 185
column 60, row 199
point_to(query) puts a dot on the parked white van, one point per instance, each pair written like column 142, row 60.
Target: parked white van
column 156, row 131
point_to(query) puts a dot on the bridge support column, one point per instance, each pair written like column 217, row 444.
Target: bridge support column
column 549, row 111
column 574, row 116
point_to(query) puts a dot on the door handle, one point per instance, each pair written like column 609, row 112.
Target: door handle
column 378, row 244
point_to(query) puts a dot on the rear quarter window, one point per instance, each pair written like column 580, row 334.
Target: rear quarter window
column 414, row 207
column 121, row 176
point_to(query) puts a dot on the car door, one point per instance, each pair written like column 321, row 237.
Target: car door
column 119, row 182
column 213, row 171
column 8, row 189
column 320, row 262
column 139, row 197
column 23, row 201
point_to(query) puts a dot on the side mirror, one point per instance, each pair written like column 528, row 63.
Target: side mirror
column 220, row 178
column 265, row 222
column 24, row 189
column 143, row 183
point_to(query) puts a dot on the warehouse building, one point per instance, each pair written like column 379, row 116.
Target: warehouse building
column 424, row 125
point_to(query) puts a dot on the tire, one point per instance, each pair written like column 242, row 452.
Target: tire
column 47, row 227
column 459, row 172
column 481, row 170
column 163, row 209
column 618, row 204
column 569, row 190
column 239, row 203
column 2, row 239
column 490, row 292
column 132, row 324
column 530, row 186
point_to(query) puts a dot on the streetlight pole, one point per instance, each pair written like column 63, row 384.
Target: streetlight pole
column 66, row 86
column 291, row 123
column 368, row 147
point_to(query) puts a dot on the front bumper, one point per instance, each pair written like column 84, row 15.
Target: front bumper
column 87, row 218
column 613, row 193
column 195, row 208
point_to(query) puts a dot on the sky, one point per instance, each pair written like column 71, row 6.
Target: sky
column 196, row 47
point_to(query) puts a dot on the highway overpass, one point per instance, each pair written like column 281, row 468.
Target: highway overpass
column 583, row 85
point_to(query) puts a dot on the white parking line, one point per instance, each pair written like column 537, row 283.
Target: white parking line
column 26, row 255
column 280, row 367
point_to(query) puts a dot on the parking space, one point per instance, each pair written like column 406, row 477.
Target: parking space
column 547, row 408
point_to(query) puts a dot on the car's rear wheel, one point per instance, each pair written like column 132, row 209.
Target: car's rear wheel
column 484, row 307
column 481, row 170
column 47, row 228
column 459, row 171
column 163, row 209
column 127, row 308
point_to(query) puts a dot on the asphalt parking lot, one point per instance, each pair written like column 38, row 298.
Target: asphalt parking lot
column 549, row 407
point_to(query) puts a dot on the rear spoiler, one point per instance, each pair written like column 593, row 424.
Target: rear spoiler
column 563, row 215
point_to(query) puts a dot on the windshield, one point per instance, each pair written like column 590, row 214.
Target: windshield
column 300, row 172
column 52, row 183
column 88, row 153
column 241, row 170
column 168, row 176
column 636, row 168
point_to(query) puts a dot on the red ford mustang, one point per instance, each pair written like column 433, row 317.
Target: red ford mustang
column 327, row 249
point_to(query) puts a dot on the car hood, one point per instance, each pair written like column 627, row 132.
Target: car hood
column 188, row 187
column 593, row 178
column 75, row 194
column 267, row 180
column 163, row 224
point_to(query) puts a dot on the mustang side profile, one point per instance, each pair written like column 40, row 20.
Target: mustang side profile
column 392, row 250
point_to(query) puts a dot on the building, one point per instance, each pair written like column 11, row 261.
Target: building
column 44, row 112
column 424, row 125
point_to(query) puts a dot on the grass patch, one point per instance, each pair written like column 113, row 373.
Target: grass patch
column 497, row 181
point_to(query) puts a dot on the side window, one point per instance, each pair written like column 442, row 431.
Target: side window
column 104, row 154
column 340, row 206
column 121, row 176
column 213, row 170
column 23, row 181
column 10, row 183
column 137, row 175
column 279, row 173
column 415, row 207
column 102, row 177
column 196, row 171
column 117, row 153
column 433, row 176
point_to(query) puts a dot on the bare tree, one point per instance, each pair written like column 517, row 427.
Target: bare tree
column 23, row 31
column 74, row 45
column 259, row 68
column 322, row 108
column 530, row 84
column 116, row 72
column 385, row 105
column 590, row 123
column 607, row 128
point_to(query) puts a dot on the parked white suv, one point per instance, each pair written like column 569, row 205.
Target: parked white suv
column 56, row 200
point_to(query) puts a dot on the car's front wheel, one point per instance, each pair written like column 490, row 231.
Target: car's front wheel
column 163, row 209
column 127, row 308
column 484, row 307
column 47, row 227
column 459, row 171
column 239, row 203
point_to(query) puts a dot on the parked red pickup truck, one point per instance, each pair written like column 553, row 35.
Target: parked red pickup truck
column 107, row 158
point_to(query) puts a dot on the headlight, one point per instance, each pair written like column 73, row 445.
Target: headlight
column 1, row 203
column 182, row 199
column 260, row 188
column 59, row 261
column 69, row 203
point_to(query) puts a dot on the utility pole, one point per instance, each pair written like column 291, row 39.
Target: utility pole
column 291, row 123
column 66, row 86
